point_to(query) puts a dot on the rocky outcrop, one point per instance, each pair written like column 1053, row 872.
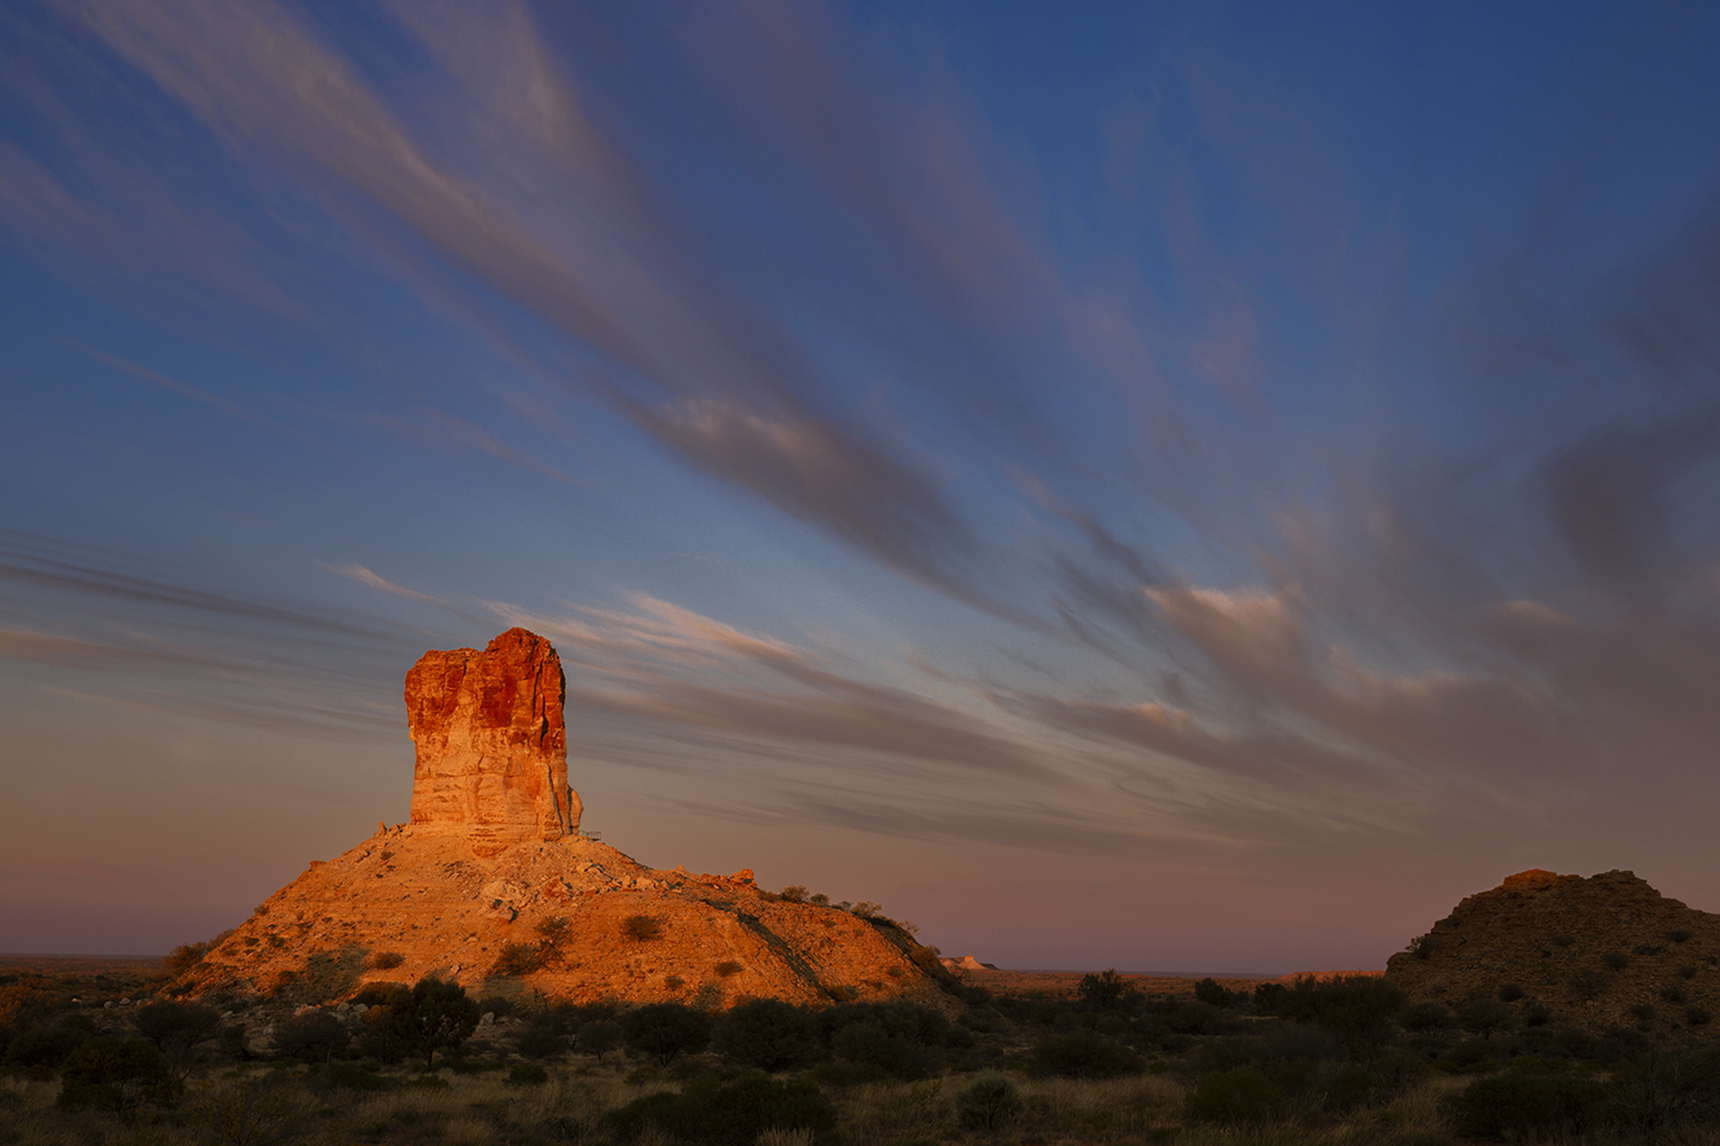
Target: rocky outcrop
column 492, row 749
column 492, row 885
column 1597, row 952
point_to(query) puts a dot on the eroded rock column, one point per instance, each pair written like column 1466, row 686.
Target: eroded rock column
column 491, row 746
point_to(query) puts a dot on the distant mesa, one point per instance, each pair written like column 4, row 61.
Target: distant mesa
column 1564, row 951
column 968, row 963
column 493, row 884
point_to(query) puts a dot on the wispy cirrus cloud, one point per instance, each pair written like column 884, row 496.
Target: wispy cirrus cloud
column 677, row 668
column 363, row 576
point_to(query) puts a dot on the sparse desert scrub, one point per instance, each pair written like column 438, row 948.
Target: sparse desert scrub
column 642, row 928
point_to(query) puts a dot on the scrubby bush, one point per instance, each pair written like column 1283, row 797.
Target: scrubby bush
column 542, row 1038
column 518, row 959
column 386, row 960
column 1426, row 1017
column 768, row 1034
column 47, row 1046
column 885, row 1053
column 120, row 1076
column 177, row 1026
column 527, row 1074
column 663, row 1030
column 1240, row 1097
column 186, row 956
column 1616, row 960
column 315, row 1036
column 731, row 1114
column 1527, row 1100
column 432, row 1016
column 1358, row 1007
column 1213, row 993
column 247, row 1111
column 1484, row 1017
column 988, row 1104
column 794, row 893
column 1085, row 1054
column 1661, row 1090
column 599, row 1037
column 326, row 1077
column 1105, row 990
column 642, row 928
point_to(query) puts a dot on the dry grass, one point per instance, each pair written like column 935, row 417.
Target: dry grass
column 475, row 1110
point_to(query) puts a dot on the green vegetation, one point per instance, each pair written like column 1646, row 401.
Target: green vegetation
column 1340, row 1061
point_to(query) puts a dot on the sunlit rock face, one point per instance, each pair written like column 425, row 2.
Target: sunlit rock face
column 492, row 749
column 492, row 883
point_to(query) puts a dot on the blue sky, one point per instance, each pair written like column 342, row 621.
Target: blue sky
column 1167, row 487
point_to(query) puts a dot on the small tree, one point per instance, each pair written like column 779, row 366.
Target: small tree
column 663, row 1030
column 794, row 893
column 600, row 1037
column 177, row 1030
column 431, row 1016
column 1209, row 990
column 315, row 1036
column 1084, row 1054
column 117, row 1075
column 769, row 1034
column 1484, row 1017
column 1105, row 990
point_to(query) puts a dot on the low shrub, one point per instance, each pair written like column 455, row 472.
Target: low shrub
column 386, row 960
column 315, row 1036
column 731, row 1114
column 988, row 1104
column 330, row 1076
column 1105, row 990
column 519, row 959
column 1527, row 1100
column 770, row 1035
column 663, row 1030
column 1085, row 1054
column 642, row 928
column 1240, row 1097
column 527, row 1074
column 120, row 1076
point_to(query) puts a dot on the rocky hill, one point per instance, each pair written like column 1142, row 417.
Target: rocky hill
column 1592, row 953
column 492, row 884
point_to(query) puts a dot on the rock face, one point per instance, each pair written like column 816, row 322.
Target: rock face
column 1593, row 953
column 492, row 885
column 492, row 749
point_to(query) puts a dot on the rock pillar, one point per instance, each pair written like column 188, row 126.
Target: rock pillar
column 492, row 749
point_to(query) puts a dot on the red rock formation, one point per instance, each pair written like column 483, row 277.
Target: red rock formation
column 492, row 750
column 1599, row 952
column 491, row 884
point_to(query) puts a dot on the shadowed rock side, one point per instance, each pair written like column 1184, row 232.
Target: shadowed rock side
column 1605, row 951
column 492, row 885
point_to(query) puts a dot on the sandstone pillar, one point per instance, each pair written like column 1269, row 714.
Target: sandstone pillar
column 491, row 746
